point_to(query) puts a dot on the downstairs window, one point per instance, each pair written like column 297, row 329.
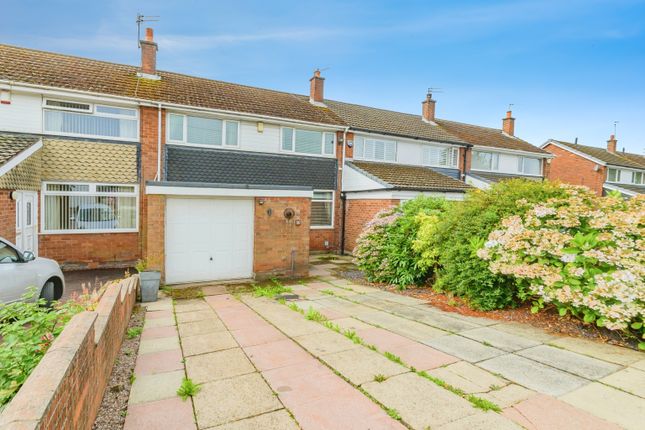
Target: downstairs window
column 322, row 209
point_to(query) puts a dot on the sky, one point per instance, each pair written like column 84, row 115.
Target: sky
column 570, row 68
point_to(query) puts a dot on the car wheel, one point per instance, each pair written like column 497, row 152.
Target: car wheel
column 48, row 292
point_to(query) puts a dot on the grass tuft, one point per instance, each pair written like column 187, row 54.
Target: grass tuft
column 392, row 357
column 483, row 404
column 330, row 325
column 393, row 413
column 379, row 378
column 351, row 335
column 134, row 332
column 314, row 315
column 271, row 291
column 188, row 389
column 328, row 292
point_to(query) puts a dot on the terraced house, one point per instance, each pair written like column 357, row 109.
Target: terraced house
column 601, row 169
column 102, row 164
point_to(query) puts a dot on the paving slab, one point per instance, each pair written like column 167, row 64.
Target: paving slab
column 601, row 351
column 629, row 379
column 525, row 330
column 168, row 414
column 571, row 362
column 159, row 314
column 209, row 342
column 227, row 400
column 542, row 412
column 610, row 404
column 423, row 357
column 533, row 375
column 159, row 362
column 383, row 339
column 257, row 335
column 425, row 315
column 464, row 348
column 339, row 292
column 148, row 388
column 214, row 290
column 277, row 420
column 482, row 421
column 294, row 325
column 640, row 365
column 373, row 302
column 158, row 332
column 344, row 306
column 190, row 305
column 159, row 322
column 325, row 342
column 161, row 344
column 221, row 301
column 499, row 339
column 352, row 324
column 159, row 305
column 200, row 327
column 218, row 365
column 416, row 331
column 184, row 317
column 420, row 402
column 361, row 365
column 508, row 395
column 397, row 298
column 277, row 354
column 468, row 377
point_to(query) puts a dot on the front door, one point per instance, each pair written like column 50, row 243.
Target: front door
column 27, row 221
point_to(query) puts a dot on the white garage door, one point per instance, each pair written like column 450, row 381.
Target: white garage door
column 208, row 239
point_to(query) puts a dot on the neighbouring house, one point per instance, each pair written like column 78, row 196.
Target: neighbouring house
column 602, row 170
column 102, row 164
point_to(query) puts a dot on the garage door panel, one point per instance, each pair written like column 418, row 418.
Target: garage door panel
column 208, row 239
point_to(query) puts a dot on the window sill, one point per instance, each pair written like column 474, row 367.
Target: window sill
column 54, row 232
column 321, row 227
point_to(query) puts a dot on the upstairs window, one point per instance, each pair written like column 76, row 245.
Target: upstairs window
column 437, row 156
column 195, row 130
column 307, row 141
column 90, row 120
column 613, row 175
column 374, row 149
column 529, row 165
column 485, row 160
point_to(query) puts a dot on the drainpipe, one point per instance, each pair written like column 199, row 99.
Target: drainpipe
column 463, row 176
column 343, row 200
column 158, row 175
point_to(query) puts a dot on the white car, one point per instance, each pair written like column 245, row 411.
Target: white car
column 95, row 216
column 22, row 271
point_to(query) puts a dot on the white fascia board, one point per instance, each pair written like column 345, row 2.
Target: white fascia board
column 87, row 95
column 225, row 192
column 573, row 151
column 20, row 157
column 614, row 187
column 511, row 151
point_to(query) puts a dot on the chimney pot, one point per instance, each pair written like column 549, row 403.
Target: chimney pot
column 149, row 54
column 508, row 124
column 317, row 88
column 428, row 108
column 611, row 144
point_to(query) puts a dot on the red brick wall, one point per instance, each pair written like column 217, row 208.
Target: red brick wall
column 7, row 216
column 90, row 251
column 279, row 243
column 65, row 390
column 574, row 169
column 359, row 213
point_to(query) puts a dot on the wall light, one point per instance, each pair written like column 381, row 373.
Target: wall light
column 260, row 126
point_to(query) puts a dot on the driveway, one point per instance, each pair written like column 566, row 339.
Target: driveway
column 345, row 356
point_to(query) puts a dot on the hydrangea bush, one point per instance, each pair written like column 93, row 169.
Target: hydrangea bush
column 582, row 253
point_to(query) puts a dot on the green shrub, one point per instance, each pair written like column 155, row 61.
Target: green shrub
column 466, row 226
column 385, row 251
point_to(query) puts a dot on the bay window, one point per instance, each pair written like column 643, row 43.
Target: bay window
column 374, row 149
column 529, row 165
column 613, row 175
column 637, row 178
column 485, row 160
column 196, row 130
column 307, row 141
column 442, row 157
column 90, row 120
column 89, row 208
column 322, row 209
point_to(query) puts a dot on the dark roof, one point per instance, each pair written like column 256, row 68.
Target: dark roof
column 497, row 177
column 617, row 159
column 640, row 189
column 13, row 144
column 486, row 136
column 405, row 177
column 222, row 166
column 390, row 122
column 75, row 73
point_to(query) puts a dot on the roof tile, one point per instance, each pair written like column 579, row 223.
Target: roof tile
column 406, row 177
column 623, row 159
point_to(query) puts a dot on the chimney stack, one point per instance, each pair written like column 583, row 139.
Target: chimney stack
column 611, row 144
column 508, row 124
column 148, row 54
column 428, row 108
column 317, row 88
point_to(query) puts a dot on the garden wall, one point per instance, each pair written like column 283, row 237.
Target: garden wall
column 65, row 390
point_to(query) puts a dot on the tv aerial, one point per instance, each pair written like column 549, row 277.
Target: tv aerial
column 144, row 18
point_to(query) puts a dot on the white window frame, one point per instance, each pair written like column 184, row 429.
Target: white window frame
column 185, row 142
column 92, row 112
column 455, row 155
column 366, row 138
column 521, row 165
column 91, row 193
column 322, row 142
column 618, row 175
column 634, row 173
column 492, row 163
column 333, row 209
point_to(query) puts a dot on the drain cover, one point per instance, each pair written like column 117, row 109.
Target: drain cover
column 287, row 296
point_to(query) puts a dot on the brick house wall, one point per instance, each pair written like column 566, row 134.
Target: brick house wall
column 90, row 251
column 359, row 213
column 281, row 246
column 574, row 169
column 7, row 216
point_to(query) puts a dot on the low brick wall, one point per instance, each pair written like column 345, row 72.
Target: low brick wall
column 65, row 390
